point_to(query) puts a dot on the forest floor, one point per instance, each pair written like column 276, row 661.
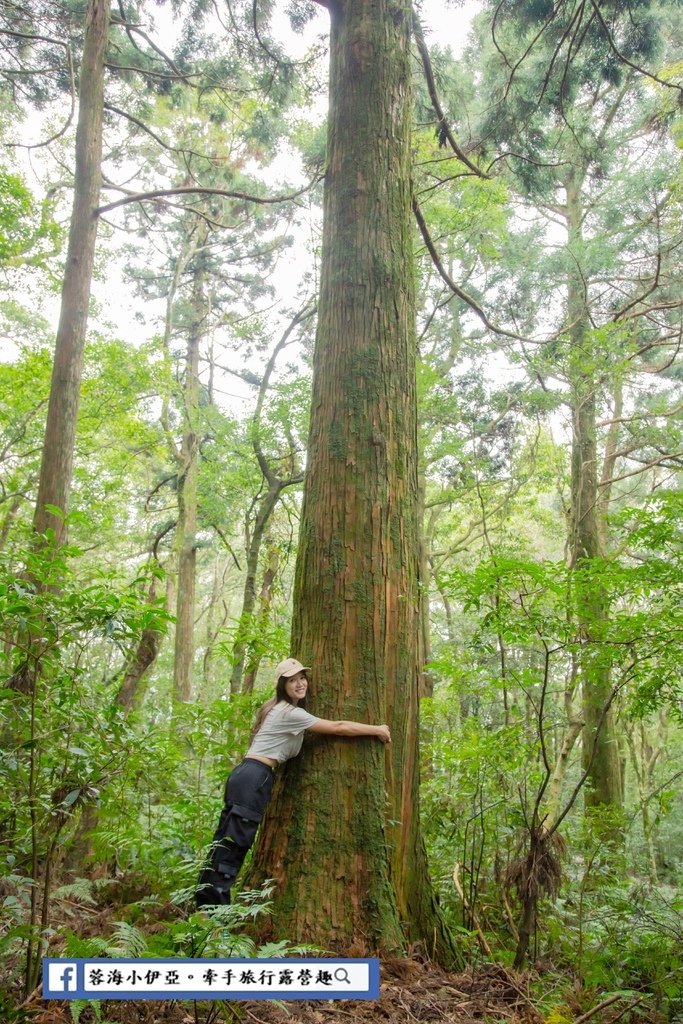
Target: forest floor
column 410, row 991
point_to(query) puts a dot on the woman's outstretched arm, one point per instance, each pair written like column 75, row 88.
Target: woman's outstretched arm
column 330, row 728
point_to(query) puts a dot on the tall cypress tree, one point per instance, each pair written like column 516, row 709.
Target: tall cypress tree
column 350, row 862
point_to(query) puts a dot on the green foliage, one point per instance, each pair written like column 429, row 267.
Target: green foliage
column 487, row 757
column 627, row 935
column 65, row 739
column 221, row 931
column 216, row 934
column 261, row 639
column 157, row 817
column 29, row 236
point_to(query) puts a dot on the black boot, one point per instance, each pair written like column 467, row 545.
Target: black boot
column 213, row 889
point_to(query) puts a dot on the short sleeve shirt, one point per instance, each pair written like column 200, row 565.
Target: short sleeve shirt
column 282, row 733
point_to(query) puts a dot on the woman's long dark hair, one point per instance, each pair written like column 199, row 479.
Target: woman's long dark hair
column 280, row 695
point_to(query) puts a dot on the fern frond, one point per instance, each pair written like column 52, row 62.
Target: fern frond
column 127, row 940
column 81, row 890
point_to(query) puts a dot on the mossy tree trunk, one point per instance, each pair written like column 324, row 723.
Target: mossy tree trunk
column 342, row 835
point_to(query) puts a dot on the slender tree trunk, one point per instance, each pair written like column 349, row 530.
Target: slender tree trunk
column 265, row 598
column 186, row 530
column 245, row 626
column 129, row 696
column 571, row 734
column 342, row 836
column 644, row 761
column 56, row 468
column 427, row 680
column 609, row 462
column 464, row 699
column 600, row 748
column 216, row 618
column 266, row 505
column 10, row 513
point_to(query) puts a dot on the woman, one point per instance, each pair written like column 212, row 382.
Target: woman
column 278, row 735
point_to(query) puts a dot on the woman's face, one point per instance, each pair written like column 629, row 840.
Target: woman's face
column 296, row 687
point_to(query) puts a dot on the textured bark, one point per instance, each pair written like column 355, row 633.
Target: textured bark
column 600, row 748
column 60, row 432
column 427, row 678
column 342, row 836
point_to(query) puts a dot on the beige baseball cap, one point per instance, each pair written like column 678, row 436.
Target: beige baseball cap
column 290, row 667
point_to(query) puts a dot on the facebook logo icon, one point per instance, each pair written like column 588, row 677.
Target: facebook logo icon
column 62, row 977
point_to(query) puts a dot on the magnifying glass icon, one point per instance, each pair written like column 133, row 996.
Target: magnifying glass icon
column 341, row 974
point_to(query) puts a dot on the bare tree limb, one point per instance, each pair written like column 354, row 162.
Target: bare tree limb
column 186, row 190
column 471, row 302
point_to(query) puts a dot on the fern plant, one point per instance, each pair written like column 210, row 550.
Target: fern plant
column 217, row 934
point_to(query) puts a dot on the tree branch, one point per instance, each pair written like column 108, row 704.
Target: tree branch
column 647, row 465
column 72, row 85
column 157, row 138
column 424, row 231
column 444, row 129
column 130, row 28
column 186, row 190
column 625, row 60
column 304, row 314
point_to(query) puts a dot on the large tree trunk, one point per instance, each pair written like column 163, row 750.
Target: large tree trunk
column 342, row 836
column 60, row 432
column 600, row 748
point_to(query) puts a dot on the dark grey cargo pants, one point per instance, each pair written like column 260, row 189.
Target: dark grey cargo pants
column 247, row 792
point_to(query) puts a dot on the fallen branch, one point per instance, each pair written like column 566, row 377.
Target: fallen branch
column 603, row 1006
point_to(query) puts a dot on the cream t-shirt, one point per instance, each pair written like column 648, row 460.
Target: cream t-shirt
column 282, row 733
